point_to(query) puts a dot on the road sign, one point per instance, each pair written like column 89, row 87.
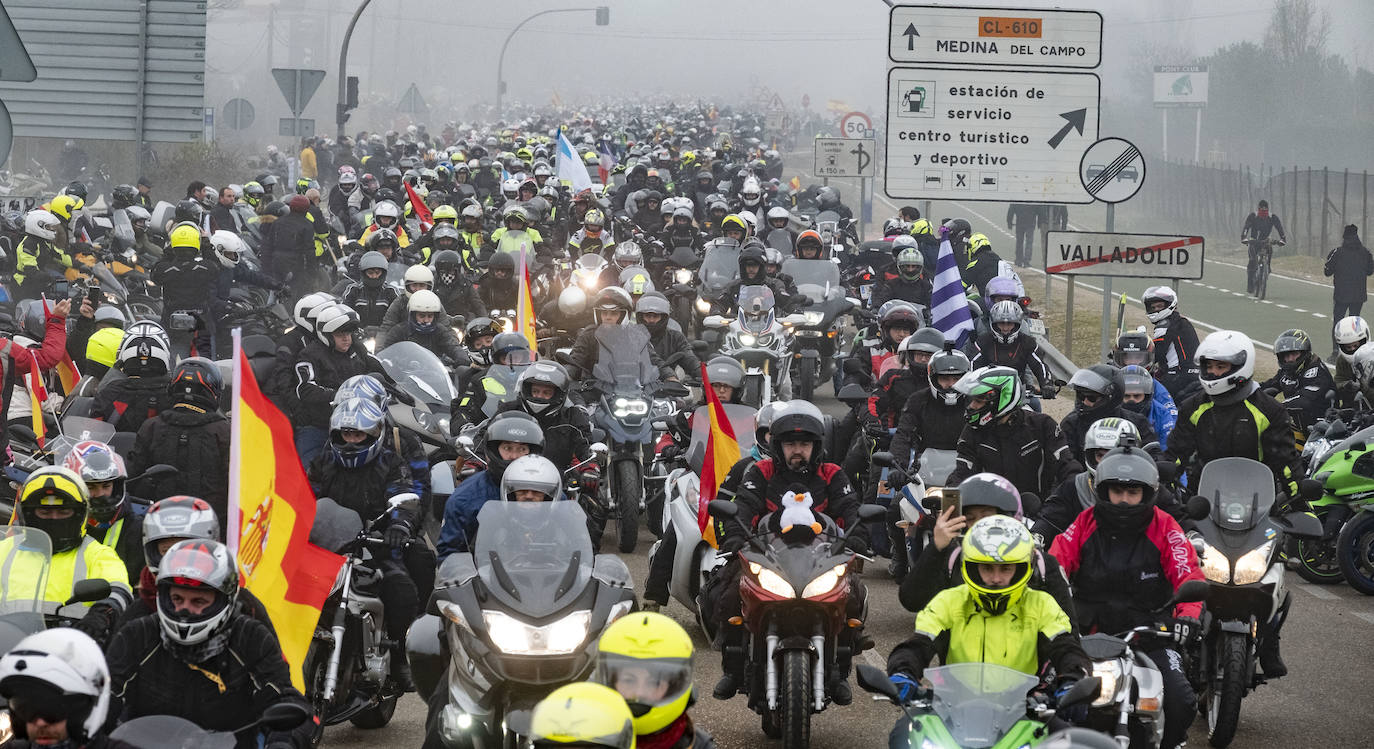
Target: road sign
column 845, row 157
column 297, row 85
column 412, row 102
column 1026, row 37
column 1180, row 85
column 1086, row 253
column 15, row 63
column 238, row 114
column 989, row 135
column 293, row 127
column 1112, row 170
column 856, row 125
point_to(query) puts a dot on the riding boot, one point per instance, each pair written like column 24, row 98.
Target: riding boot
column 1267, row 649
column 400, row 669
column 730, row 637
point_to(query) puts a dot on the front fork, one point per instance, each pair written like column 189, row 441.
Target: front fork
column 331, row 677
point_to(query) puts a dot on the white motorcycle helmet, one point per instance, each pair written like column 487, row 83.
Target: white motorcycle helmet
column 228, row 247
column 1106, row 434
column 58, row 664
column 1231, row 347
column 1160, row 294
column 1351, row 333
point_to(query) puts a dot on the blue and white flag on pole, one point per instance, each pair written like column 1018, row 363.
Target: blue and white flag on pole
column 948, row 306
column 571, row 170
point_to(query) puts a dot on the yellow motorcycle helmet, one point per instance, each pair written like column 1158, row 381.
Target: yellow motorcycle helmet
column 647, row 658
column 184, row 236
column 56, row 488
column 445, row 211
column 921, row 228
column 103, row 346
column 999, row 539
column 978, row 242
column 63, row 206
column 582, row 714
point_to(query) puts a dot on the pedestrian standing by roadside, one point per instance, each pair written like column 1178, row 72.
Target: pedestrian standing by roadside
column 1349, row 266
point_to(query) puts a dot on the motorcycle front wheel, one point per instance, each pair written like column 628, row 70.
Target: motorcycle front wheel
column 806, row 379
column 1317, row 561
column 629, row 490
column 1227, row 689
column 796, row 699
column 1355, row 552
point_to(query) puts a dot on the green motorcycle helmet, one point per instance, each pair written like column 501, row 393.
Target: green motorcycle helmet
column 998, row 388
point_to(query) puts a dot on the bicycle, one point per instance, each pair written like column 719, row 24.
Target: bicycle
column 1264, row 258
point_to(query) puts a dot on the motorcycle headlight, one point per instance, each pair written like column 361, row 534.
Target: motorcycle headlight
column 443, row 424
column 371, row 345
column 766, row 339
column 703, row 306
column 747, row 339
column 772, row 581
column 682, row 275
column 813, row 317
column 630, row 407
column 824, row 583
column 1110, row 674
column 1251, row 567
column 1215, row 566
column 515, row 637
column 6, row 727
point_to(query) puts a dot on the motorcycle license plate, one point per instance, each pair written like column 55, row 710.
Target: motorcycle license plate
column 1036, row 326
column 866, row 292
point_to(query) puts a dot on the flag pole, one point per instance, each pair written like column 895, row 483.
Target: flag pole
column 235, row 449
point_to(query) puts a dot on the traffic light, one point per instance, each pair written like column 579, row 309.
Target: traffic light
column 351, row 97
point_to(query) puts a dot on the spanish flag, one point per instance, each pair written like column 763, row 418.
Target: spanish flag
column 795, row 183
column 271, row 510
column 67, row 372
column 524, row 313
column 38, row 395
column 722, row 452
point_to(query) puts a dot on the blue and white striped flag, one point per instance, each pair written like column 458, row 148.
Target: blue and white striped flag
column 571, row 170
column 948, row 306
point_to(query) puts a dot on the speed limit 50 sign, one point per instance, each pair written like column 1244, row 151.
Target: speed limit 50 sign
column 856, row 125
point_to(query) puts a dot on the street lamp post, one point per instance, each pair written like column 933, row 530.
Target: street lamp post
column 341, row 113
column 603, row 18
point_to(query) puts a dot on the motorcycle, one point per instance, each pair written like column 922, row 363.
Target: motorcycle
column 1347, row 478
column 695, row 559
column 813, row 349
column 679, row 271
column 347, row 669
column 977, row 705
column 719, row 266
column 794, row 590
column 1131, row 702
column 760, row 342
column 158, row 731
column 512, row 621
column 1238, row 546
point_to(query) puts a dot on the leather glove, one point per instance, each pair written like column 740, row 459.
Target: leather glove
column 908, row 688
column 897, row 478
column 857, row 542
column 875, row 431
column 1076, row 714
column 1186, row 630
column 397, row 534
column 98, row 623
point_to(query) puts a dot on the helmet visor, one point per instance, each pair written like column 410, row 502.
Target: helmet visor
column 643, row 681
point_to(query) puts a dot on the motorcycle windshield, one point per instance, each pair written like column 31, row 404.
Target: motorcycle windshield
column 590, row 263
column 109, row 283
column 534, row 557
column 79, row 429
column 418, row 371
column 817, row 280
column 25, row 557
column 936, row 466
column 396, row 275
column 781, row 240
column 169, row 730
column 335, row 525
column 741, row 418
column 1240, row 490
column 623, row 362
column 755, row 305
column 979, row 702
column 719, row 267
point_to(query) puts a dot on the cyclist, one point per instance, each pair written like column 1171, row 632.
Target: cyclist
column 1257, row 228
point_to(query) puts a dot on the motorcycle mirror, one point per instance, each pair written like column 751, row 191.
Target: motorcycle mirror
column 284, row 716
column 1086, row 690
column 1191, row 591
column 873, row 680
column 853, row 302
column 700, row 347
column 1310, row 489
column 157, row 470
column 89, row 590
column 714, row 321
column 407, row 501
column 883, row 459
column 1199, row 508
column 1168, row 469
column 852, row 393
column 1030, row 504
column 599, row 448
column 722, row 509
column 872, row 512
column 465, row 440
column 795, row 318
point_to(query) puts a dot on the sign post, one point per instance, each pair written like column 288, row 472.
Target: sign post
column 1178, row 86
column 991, row 105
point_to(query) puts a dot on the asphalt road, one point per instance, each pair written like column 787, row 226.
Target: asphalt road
column 1320, row 703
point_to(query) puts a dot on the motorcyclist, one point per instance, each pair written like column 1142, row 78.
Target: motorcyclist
column 1098, row 391
column 582, row 714
column 423, row 326
column 116, row 519
column 682, row 231
column 417, row 277
column 509, row 435
column 472, row 232
column 192, row 434
column 592, row 237
column 507, row 349
column 647, row 658
column 497, row 286
column 145, row 360
column 53, row 499
column 1257, row 228
column 895, row 323
column 1143, row 395
column 1007, row 344
column 57, row 687
column 1302, row 379
column 281, row 384
column 515, row 233
column 1125, row 558
column 908, row 283
column 38, row 257
column 387, row 215
column 359, row 470
column 982, row 264
column 613, row 308
column 995, row 616
column 797, row 437
column 1350, row 333
column 1005, row 437
column 627, row 254
column 933, row 417
column 201, row 657
column 451, row 282
column 335, row 355
column 371, row 296
column 809, row 246
column 1232, row 416
column 188, row 276
column 1175, row 342
column 668, row 340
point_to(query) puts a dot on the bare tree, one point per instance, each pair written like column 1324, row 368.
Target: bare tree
column 1298, row 31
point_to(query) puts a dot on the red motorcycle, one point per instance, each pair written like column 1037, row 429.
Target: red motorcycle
column 794, row 588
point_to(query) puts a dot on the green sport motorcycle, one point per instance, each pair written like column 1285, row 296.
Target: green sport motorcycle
column 976, row 706
column 1345, row 470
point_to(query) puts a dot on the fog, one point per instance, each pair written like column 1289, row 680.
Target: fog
column 829, row 50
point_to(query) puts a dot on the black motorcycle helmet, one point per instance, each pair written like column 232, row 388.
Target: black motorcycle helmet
column 276, row 208
column 751, row 256
column 798, row 423
column 76, row 190
column 448, row 267
column 196, row 385
column 189, row 210
column 502, row 265
column 959, row 231
column 510, row 426
column 1097, row 391
column 1125, row 466
column 124, row 196
column 1133, row 347
column 1293, row 348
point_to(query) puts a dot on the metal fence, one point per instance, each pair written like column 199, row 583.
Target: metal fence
column 1314, row 203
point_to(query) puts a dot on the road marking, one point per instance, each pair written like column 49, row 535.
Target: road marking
column 1273, row 274
column 1300, row 310
column 1316, row 591
column 1282, row 306
column 871, row 658
column 1365, row 615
